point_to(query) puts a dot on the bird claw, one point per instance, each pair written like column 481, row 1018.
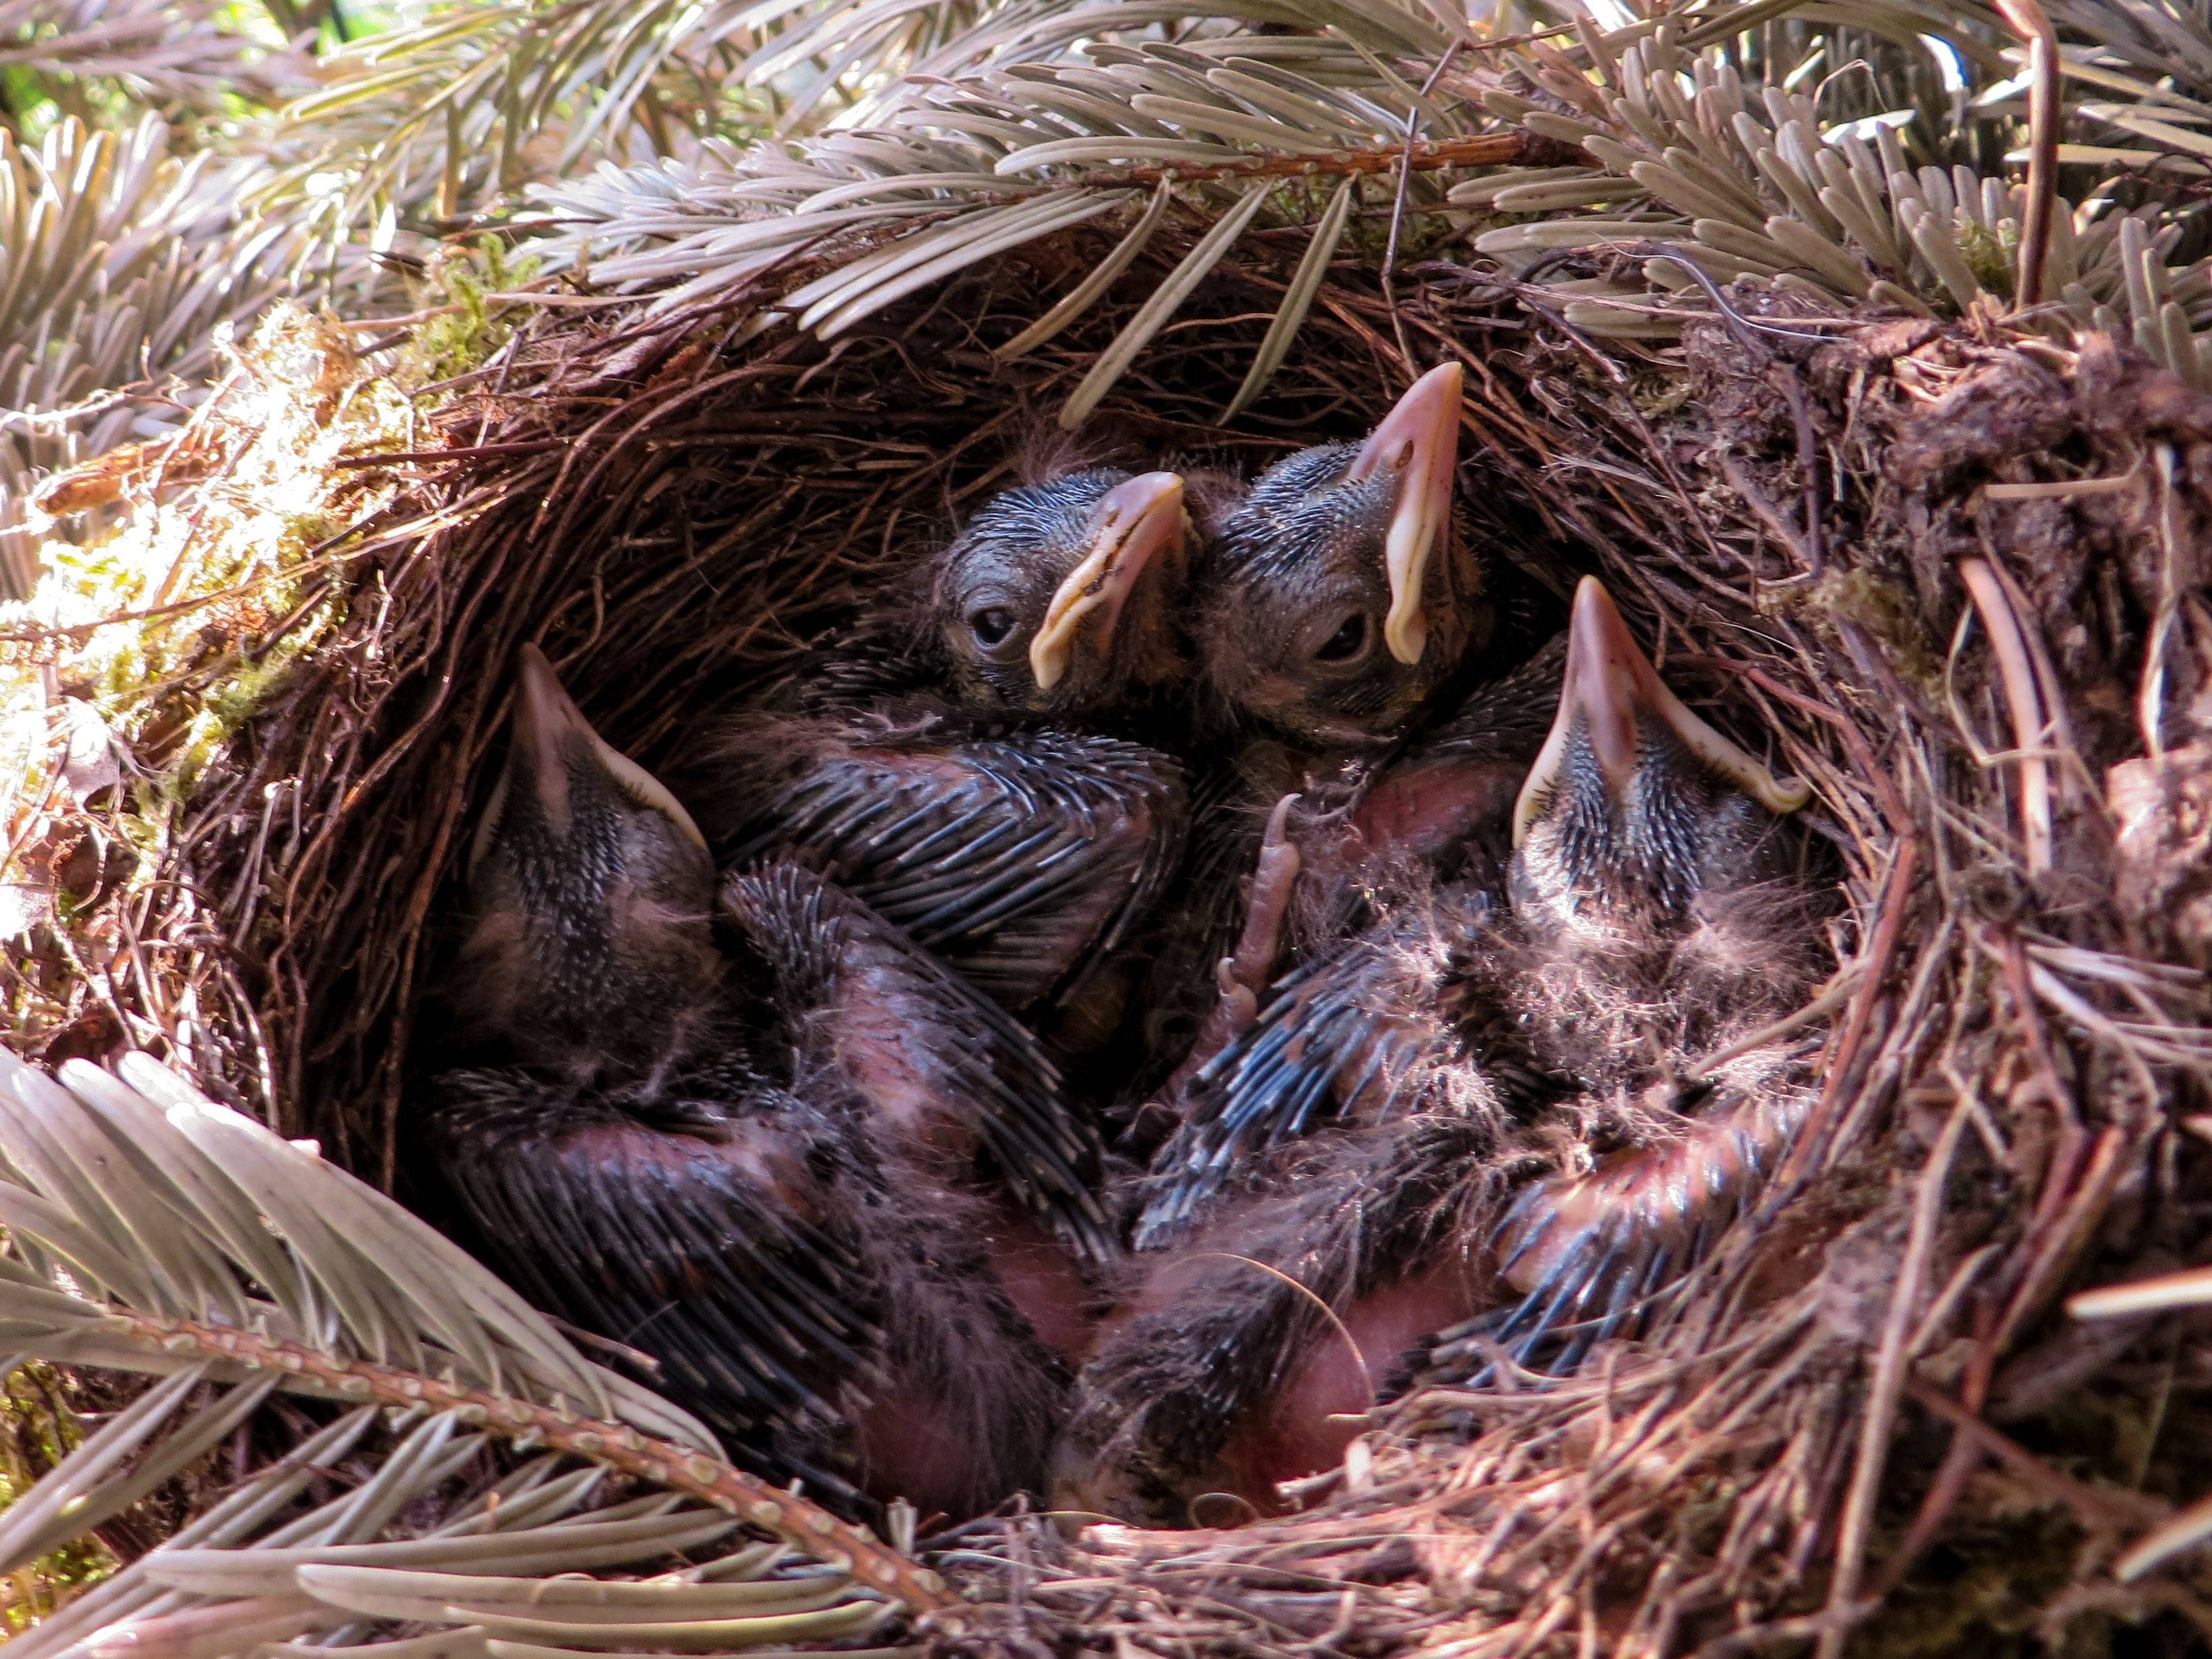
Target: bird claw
column 1239, row 1007
column 1251, row 965
column 1247, row 970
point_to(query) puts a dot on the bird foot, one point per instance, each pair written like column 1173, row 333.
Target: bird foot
column 1244, row 972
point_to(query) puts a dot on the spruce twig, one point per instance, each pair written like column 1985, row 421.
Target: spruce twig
column 797, row 1521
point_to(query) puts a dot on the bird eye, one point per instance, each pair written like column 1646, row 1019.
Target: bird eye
column 1348, row 643
column 991, row 626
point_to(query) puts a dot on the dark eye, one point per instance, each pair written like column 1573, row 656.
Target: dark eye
column 1348, row 643
column 992, row 626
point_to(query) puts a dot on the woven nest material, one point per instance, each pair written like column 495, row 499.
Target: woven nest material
column 1953, row 568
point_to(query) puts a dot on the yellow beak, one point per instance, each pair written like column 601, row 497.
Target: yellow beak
column 1418, row 440
column 1140, row 520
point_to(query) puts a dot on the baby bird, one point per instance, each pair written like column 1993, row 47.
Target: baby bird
column 1634, row 820
column 940, row 767
column 833, row 1194
column 1058, row 598
column 1339, row 595
column 1606, row 1017
column 1665, row 936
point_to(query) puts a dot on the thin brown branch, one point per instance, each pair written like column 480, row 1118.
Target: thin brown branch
column 2113, row 1510
column 2031, row 727
column 804, row 1525
column 2028, row 19
column 1876, row 1426
column 1427, row 155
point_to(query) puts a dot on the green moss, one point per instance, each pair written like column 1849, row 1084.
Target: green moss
column 242, row 693
column 469, row 334
column 225, row 572
column 1884, row 608
column 37, row 1430
column 1991, row 257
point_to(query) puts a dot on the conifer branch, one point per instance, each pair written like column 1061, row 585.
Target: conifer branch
column 797, row 1521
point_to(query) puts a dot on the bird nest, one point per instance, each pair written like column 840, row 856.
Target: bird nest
column 1953, row 567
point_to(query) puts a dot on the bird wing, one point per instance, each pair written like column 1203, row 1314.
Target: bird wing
column 1196, row 924
column 1019, row 859
column 1209, row 1336
column 1376, row 1028
column 719, row 1244
column 1444, row 804
column 1507, row 718
column 1590, row 1252
column 941, row 1068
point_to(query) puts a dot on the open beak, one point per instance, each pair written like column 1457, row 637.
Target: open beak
column 1610, row 687
column 550, row 731
column 1419, row 439
column 1139, row 519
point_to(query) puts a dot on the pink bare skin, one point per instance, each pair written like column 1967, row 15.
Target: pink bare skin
column 1043, row 1283
column 1323, row 1406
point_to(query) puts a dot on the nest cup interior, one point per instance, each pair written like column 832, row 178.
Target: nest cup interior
column 671, row 518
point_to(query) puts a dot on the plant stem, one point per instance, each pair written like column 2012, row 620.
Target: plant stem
column 797, row 1521
column 1481, row 150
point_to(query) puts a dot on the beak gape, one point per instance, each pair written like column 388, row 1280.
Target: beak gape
column 1419, row 439
column 548, row 735
column 1610, row 687
column 1138, row 520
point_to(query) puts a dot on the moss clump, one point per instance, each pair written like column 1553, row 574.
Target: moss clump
column 466, row 330
column 37, row 1429
column 1991, row 255
column 1886, row 609
column 225, row 561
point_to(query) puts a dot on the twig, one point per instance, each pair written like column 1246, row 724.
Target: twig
column 1739, row 324
column 1889, row 911
column 1397, row 204
column 1808, row 463
column 2190, row 1288
column 1880, row 1411
column 2097, row 1505
column 800, row 1522
column 1484, row 149
column 2027, row 19
column 389, row 457
column 2061, row 1242
column 2193, row 1526
column 2031, row 729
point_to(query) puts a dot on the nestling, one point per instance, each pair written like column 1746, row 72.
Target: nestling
column 1338, row 596
column 1338, row 593
column 956, row 780
column 1602, row 1021
column 830, row 1191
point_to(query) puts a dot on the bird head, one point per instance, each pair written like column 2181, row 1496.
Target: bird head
column 1636, row 808
column 590, row 889
column 1058, row 597
column 1341, row 597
